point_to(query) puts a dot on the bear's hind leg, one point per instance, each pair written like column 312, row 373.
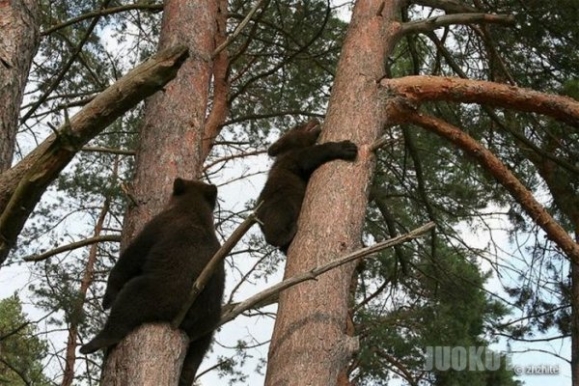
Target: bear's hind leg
column 195, row 354
column 140, row 301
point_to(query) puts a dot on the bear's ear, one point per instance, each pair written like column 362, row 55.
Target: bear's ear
column 210, row 194
column 179, row 186
column 297, row 137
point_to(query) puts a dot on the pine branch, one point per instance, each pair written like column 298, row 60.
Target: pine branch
column 73, row 246
column 104, row 12
column 436, row 22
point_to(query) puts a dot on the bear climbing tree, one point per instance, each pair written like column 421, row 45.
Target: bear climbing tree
column 153, row 276
column 297, row 157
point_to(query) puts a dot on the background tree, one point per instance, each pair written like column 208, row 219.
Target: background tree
column 21, row 350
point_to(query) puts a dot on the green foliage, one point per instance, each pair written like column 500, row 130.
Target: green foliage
column 21, row 351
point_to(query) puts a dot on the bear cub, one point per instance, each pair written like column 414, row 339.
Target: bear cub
column 152, row 279
column 297, row 157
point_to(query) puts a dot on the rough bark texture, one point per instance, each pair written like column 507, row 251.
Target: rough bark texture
column 170, row 146
column 141, row 367
column 309, row 344
column 18, row 45
column 22, row 185
column 219, row 108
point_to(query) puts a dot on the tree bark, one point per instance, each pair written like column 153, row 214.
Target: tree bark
column 140, row 366
column 309, row 344
column 415, row 90
column 170, row 146
column 574, row 270
column 18, row 45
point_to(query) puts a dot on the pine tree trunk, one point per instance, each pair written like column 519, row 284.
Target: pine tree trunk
column 18, row 45
column 170, row 146
column 310, row 345
column 575, row 318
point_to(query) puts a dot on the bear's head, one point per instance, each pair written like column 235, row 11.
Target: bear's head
column 296, row 138
column 194, row 191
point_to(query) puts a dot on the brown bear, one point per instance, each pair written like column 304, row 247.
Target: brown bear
column 297, row 157
column 152, row 279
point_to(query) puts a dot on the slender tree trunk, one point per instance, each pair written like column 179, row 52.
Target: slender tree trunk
column 87, row 277
column 170, row 146
column 309, row 344
column 18, row 45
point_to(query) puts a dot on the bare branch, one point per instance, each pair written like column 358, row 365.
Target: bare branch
column 384, row 141
column 110, row 151
column 104, row 12
column 274, row 290
column 72, row 246
column 430, row 24
column 238, row 29
column 449, row 6
column 232, row 156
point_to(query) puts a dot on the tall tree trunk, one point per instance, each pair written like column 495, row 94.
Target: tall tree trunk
column 309, row 345
column 18, row 45
column 170, row 146
column 575, row 317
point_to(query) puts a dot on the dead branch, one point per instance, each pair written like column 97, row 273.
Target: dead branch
column 73, row 246
column 212, row 265
column 109, row 151
column 22, row 186
column 430, row 24
column 449, row 6
column 272, row 292
column 385, row 140
column 104, row 12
